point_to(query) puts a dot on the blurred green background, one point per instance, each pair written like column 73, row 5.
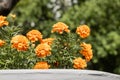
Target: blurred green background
column 103, row 17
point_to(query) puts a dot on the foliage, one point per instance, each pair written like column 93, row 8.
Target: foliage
column 103, row 18
column 34, row 15
column 9, row 57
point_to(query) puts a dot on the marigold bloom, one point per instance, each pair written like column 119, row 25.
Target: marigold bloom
column 2, row 43
column 83, row 31
column 3, row 22
column 48, row 41
column 34, row 35
column 60, row 27
column 20, row 42
column 86, row 51
column 43, row 50
column 79, row 63
column 41, row 65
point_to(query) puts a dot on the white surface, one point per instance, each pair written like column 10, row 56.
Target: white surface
column 56, row 74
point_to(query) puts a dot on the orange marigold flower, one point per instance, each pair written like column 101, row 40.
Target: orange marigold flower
column 41, row 65
column 3, row 22
column 34, row 35
column 2, row 43
column 48, row 41
column 20, row 42
column 60, row 27
column 43, row 50
column 83, row 31
column 79, row 63
column 86, row 51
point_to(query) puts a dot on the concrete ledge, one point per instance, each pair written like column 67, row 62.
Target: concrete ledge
column 56, row 74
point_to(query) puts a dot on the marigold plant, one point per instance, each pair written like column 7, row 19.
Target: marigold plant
column 64, row 49
column 67, row 49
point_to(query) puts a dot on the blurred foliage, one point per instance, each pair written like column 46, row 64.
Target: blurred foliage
column 101, row 15
column 33, row 15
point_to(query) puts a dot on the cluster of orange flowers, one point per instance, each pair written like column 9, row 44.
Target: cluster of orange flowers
column 43, row 49
column 83, row 31
column 86, row 51
column 3, row 22
column 21, row 43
